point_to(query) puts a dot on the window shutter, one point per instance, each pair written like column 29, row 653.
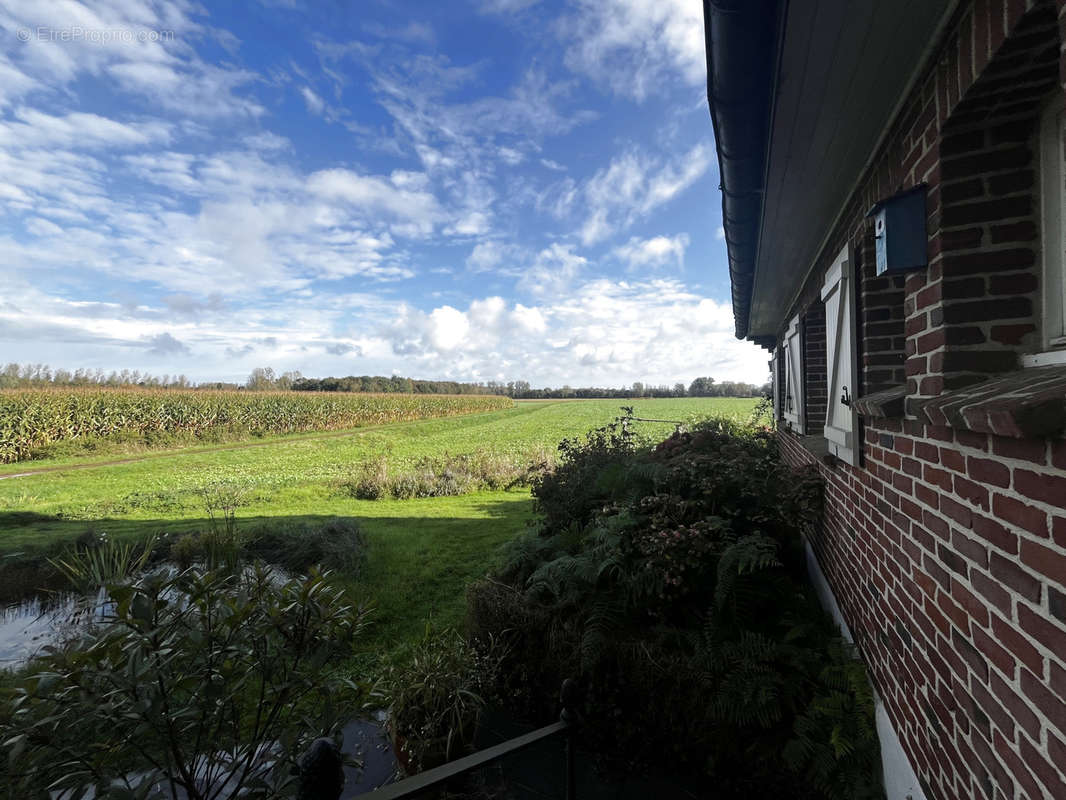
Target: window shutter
column 841, row 422
column 793, row 411
column 775, row 386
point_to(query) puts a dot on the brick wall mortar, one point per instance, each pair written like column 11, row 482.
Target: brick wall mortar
column 996, row 669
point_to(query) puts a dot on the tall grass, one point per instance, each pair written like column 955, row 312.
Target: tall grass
column 447, row 475
column 103, row 560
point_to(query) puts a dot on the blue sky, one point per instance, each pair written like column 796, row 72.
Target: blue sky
column 472, row 189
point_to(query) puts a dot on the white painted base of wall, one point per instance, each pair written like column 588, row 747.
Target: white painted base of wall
column 900, row 781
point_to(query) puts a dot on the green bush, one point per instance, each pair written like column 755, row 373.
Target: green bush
column 672, row 579
column 202, row 685
column 337, row 544
column 436, row 697
column 445, row 476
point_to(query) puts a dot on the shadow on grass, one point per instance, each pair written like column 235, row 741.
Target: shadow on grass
column 416, row 569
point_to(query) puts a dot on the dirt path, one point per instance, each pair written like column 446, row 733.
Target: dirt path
column 236, row 446
column 220, row 448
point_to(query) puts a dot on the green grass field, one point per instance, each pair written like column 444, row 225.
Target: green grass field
column 421, row 553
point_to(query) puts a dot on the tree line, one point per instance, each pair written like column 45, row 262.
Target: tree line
column 522, row 390
column 23, row 376
column 16, row 376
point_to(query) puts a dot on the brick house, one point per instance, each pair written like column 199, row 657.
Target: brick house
column 927, row 384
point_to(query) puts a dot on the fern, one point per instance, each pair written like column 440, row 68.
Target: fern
column 746, row 556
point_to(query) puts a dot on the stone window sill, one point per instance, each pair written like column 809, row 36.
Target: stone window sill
column 885, row 404
column 813, row 441
column 1029, row 404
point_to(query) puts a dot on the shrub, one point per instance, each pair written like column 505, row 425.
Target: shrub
column 585, row 478
column 673, row 580
column 97, row 559
column 202, row 683
column 436, row 697
column 370, row 480
column 336, row 544
column 446, row 476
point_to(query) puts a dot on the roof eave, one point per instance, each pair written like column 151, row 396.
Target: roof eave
column 742, row 42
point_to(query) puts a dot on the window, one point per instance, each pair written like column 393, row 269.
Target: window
column 841, row 421
column 793, row 355
column 1053, row 206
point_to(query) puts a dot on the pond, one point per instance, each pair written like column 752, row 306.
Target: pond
column 51, row 619
column 36, row 622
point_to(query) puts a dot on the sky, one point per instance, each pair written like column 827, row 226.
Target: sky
column 467, row 190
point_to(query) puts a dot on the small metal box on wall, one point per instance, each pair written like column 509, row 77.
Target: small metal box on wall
column 899, row 231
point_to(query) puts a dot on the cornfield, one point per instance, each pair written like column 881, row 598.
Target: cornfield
column 33, row 418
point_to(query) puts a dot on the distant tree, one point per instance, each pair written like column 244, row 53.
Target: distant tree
column 702, row 387
column 261, row 379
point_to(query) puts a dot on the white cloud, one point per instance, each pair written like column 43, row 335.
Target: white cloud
column 314, row 103
column 78, row 131
column 14, row 83
column 153, row 58
column 635, row 47
column 601, row 333
column 552, row 272
column 633, row 185
column 506, row 6
column 655, row 252
column 485, row 256
column 373, row 194
column 719, row 233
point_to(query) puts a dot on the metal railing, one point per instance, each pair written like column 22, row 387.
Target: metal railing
column 439, row 776
column 319, row 768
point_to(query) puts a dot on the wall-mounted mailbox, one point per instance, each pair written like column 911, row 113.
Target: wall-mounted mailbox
column 899, row 231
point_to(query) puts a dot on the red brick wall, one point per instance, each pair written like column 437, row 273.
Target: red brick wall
column 882, row 332
column 947, row 554
column 815, row 372
column 946, row 549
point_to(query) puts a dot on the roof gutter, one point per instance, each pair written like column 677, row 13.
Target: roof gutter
column 742, row 55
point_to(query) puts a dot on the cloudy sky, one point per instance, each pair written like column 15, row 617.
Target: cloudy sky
column 471, row 189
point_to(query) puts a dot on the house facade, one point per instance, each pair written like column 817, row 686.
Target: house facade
column 894, row 202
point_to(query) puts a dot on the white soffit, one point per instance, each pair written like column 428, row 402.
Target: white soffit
column 844, row 65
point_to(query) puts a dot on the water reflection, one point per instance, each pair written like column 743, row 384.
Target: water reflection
column 32, row 624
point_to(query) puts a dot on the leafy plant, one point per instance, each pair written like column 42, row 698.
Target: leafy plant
column 98, row 559
column 222, row 542
column 203, row 684
column 436, row 697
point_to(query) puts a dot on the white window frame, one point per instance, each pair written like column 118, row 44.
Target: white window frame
column 1053, row 226
column 793, row 410
column 841, row 353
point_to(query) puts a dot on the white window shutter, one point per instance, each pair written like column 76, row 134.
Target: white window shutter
column 841, row 421
column 793, row 411
column 775, row 386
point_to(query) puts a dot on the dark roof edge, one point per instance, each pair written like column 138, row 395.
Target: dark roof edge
column 742, row 38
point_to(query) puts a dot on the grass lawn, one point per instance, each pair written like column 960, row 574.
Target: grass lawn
column 421, row 553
